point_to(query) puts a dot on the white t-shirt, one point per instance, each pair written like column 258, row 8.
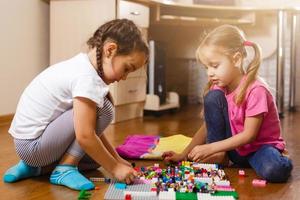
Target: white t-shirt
column 51, row 93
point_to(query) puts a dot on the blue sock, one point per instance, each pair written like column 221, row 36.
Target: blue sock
column 68, row 175
column 20, row 171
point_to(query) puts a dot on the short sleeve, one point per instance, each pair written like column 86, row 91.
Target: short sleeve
column 90, row 87
column 215, row 87
column 257, row 102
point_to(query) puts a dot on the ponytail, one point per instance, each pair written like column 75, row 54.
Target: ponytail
column 251, row 72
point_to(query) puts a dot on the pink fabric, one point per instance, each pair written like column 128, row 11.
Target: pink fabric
column 258, row 100
column 137, row 145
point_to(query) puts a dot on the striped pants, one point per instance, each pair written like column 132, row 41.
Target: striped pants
column 59, row 138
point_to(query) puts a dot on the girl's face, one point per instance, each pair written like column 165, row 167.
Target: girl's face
column 222, row 70
column 117, row 67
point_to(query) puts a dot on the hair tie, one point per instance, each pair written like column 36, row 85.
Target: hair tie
column 248, row 43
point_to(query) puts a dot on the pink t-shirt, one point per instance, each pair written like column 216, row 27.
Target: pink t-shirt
column 258, row 100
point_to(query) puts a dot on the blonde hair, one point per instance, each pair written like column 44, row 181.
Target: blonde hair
column 232, row 40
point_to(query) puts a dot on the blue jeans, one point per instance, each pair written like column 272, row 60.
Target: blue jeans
column 267, row 162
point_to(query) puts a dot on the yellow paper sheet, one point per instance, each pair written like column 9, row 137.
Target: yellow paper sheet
column 176, row 143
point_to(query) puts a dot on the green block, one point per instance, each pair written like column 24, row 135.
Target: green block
column 226, row 193
column 83, row 194
column 186, row 196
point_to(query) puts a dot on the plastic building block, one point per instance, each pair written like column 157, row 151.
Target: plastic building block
column 226, row 193
column 128, row 197
column 203, row 180
column 83, row 194
column 120, row 186
column 222, row 183
column 259, row 182
column 100, row 179
column 186, row 196
column 115, row 194
column 224, row 188
column 97, row 179
column 164, row 195
column 241, row 172
column 140, row 193
column 207, row 166
column 207, row 196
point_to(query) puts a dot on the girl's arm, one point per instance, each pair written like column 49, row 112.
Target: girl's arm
column 84, row 123
column 108, row 146
column 112, row 150
column 199, row 138
column 251, row 128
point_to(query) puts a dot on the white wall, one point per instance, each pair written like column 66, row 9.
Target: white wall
column 24, row 47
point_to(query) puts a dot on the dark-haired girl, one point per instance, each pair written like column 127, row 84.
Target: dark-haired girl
column 63, row 112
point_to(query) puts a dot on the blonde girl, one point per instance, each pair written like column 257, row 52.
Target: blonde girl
column 241, row 118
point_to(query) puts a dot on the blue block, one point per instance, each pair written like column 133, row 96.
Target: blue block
column 120, row 186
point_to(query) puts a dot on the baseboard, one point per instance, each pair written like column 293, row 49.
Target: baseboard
column 6, row 119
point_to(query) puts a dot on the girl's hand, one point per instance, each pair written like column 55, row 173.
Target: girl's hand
column 285, row 153
column 200, row 152
column 171, row 156
column 124, row 173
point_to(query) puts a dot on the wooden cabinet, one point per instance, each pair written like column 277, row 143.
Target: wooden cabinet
column 129, row 91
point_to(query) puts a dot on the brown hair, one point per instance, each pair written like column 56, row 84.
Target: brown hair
column 232, row 40
column 121, row 31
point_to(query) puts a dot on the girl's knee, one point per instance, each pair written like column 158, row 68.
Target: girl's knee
column 277, row 172
column 213, row 97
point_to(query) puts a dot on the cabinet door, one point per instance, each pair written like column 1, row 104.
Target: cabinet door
column 138, row 13
column 72, row 22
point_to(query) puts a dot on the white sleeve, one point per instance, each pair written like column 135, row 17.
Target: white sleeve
column 89, row 87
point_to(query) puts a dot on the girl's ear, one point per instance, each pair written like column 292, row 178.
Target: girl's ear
column 109, row 49
column 237, row 59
